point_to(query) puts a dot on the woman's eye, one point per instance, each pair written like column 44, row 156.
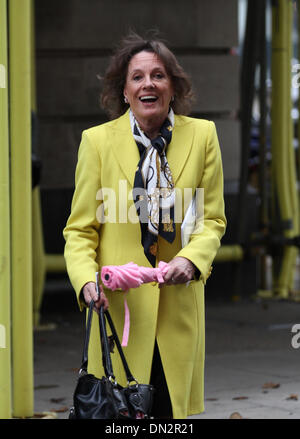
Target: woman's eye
column 137, row 78
column 159, row 75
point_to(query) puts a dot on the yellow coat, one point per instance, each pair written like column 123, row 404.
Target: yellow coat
column 174, row 315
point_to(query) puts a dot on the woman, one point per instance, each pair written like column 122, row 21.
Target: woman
column 148, row 155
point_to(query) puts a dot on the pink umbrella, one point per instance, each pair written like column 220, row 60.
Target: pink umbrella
column 129, row 276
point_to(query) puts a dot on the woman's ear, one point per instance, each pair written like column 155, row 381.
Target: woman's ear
column 125, row 95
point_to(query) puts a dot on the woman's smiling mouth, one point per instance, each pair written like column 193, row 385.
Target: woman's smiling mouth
column 149, row 99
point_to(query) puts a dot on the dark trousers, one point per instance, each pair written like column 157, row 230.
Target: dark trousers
column 162, row 407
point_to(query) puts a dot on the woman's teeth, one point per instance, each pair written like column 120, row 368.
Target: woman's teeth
column 148, row 98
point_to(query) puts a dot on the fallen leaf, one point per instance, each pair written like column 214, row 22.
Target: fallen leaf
column 38, row 415
column 50, row 416
column 235, row 415
column 45, row 415
column 293, row 396
column 46, row 386
column 45, row 327
column 74, row 369
column 60, row 410
column 271, row 385
column 240, row 397
column 57, row 400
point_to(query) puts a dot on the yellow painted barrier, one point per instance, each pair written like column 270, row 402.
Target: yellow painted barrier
column 38, row 257
column 229, row 253
column 283, row 156
column 38, row 252
column 55, row 263
column 21, row 206
column 293, row 252
column 5, row 289
column 297, row 84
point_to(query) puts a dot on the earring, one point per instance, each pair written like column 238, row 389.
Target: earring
column 125, row 100
column 172, row 99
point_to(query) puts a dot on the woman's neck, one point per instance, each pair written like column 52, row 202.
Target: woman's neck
column 151, row 127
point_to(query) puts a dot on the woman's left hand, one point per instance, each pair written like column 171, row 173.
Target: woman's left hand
column 181, row 270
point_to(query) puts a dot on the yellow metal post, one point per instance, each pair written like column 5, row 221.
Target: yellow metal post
column 21, row 206
column 55, row 263
column 5, row 283
column 32, row 59
column 38, row 256
column 298, row 85
column 298, row 122
column 228, row 253
column 292, row 158
column 283, row 158
column 38, row 252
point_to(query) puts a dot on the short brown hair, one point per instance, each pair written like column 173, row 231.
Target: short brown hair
column 112, row 98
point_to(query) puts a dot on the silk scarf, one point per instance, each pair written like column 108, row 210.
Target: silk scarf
column 154, row 192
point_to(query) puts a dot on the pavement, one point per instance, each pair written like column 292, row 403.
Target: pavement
column 252, row 368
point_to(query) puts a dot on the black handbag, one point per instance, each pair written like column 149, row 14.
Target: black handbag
column 104, row 398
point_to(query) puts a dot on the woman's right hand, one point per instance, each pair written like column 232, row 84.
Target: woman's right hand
column 90, row 293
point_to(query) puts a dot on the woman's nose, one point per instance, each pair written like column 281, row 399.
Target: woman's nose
column 148, row 83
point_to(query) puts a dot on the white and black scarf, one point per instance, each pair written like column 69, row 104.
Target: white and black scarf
column 154, row 192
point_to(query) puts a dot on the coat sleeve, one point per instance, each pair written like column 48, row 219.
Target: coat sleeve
column 209, row 229
column 82, row 229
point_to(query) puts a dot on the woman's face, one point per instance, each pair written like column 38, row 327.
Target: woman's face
column 148, row 89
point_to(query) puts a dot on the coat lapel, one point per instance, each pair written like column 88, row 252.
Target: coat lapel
column 179, row 149
column 127, row 155
column 125, row 148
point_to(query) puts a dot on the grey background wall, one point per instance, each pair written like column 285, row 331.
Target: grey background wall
column 74, row 39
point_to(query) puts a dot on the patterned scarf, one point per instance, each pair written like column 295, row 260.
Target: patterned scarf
column 154, row 193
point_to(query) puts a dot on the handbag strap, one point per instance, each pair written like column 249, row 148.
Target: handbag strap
column 84, row 361
column 106, row 357
column 129, row 375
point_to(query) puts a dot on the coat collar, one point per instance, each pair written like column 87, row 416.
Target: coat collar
column 127, row 155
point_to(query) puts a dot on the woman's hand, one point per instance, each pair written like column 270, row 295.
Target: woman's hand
column 90, row 293
column 181, row 270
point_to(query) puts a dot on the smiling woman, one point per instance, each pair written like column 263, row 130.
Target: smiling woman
column 149, row 91
column 160, row 152
column 112, row 98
